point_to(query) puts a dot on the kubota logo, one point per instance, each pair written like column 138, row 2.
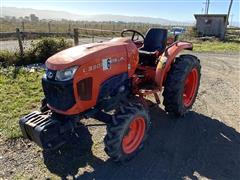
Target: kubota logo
column 106, row 64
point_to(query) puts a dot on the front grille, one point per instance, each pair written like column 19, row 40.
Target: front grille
column 59, row 95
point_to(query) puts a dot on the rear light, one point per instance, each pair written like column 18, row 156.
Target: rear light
column 85, row 89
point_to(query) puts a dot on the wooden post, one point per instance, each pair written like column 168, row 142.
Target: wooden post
column 75, row 36
column 19, row 41
column 92, row 36
column 49, row 27
column 101, row 29
column 23, row 27
column 69, row 27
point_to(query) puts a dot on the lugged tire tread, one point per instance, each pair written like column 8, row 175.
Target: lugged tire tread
column 174, row 82
column 116, row 130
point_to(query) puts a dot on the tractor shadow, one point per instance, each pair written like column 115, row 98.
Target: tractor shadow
column 194, row 147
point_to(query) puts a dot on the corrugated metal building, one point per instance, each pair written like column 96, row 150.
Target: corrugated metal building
column 211, row 24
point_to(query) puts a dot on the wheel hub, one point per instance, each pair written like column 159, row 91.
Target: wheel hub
column 134, row 136
column 190, row 87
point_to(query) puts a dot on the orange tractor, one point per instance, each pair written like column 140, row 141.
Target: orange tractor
column 110, row 81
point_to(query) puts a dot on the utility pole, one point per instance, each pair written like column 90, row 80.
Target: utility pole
column 229, row 10
column 226, row 22
column 207, row 6
column 231, row 22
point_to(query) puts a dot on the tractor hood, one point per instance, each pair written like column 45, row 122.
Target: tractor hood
column 82, row 54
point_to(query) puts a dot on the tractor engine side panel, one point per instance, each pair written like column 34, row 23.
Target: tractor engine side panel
column 113, row 90
column 108, row 63
column 112, row 86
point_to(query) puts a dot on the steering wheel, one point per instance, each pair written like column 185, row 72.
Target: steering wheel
column 134, row 33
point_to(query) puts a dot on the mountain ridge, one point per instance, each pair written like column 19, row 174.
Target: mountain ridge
column 58, row 15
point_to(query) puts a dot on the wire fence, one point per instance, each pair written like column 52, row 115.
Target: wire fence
column 88, row 32
column 68, row 26
column 20, row 40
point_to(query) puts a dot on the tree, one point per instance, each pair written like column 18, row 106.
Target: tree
column 34, row 18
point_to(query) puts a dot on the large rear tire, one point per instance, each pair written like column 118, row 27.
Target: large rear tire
column 181, row 85
column 127, row 133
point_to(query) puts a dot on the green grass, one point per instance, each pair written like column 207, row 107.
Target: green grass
column 21, row 93
column 216, row 46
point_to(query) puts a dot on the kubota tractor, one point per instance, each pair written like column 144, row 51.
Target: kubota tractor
column 110, row 81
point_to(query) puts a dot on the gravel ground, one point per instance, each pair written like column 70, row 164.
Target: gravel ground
column 205, row 144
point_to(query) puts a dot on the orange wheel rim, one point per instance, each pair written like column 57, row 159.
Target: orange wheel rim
column 190, row 87
column 134, row 136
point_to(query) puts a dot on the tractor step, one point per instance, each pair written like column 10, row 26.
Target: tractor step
column 45, row 130
column 147, row 89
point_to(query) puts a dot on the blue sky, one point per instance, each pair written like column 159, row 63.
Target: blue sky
column 178, row 10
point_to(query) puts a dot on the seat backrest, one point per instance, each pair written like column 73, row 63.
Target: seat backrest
column 155, row 39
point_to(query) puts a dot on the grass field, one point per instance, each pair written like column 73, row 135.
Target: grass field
column 66, row 26
column 21, row 93
column 231, row 43
column 216, row 46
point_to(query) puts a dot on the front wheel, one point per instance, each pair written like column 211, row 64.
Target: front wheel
column 127, row 133
column 182, row 85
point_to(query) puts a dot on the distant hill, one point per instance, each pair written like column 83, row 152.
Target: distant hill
column 58, row 15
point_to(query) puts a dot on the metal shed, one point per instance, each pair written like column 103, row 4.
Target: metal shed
column 211, row 24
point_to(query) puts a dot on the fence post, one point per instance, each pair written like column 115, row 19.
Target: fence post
column 92, row 37
column 75, row 36
column 49, row 27
column 69, row 27
column 19, row 41
column 23, row 27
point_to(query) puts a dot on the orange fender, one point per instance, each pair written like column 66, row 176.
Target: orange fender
column 167, row 59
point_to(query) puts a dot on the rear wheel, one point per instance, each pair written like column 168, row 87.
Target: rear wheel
column 128, row 131
column 182, row 85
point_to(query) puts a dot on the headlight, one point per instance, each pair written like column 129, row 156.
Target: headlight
column 67, row 74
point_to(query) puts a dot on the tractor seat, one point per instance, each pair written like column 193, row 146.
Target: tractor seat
column 154, row 44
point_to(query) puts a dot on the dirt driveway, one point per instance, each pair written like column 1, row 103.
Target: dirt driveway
column 203, row 145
